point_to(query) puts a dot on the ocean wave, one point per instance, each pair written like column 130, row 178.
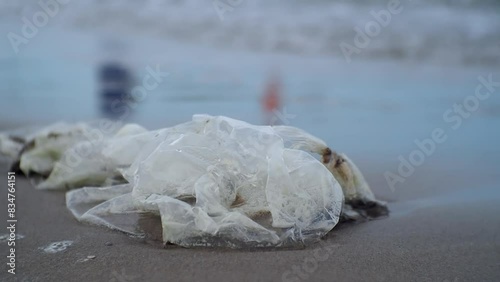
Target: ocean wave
column 456, row 32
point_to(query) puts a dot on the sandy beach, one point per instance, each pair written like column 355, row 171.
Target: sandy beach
column 443, row 227
column 402, row 86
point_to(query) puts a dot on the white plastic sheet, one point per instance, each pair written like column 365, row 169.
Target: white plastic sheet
column 213, row 181
column 249, row 189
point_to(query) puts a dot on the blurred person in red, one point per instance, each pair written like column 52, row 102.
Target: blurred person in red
column 271, row 99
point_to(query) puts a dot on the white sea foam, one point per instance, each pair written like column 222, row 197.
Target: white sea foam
column 56, row 247
column 5, row 237
column 449, row 31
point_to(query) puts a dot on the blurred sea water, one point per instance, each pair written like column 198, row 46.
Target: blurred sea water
column 450, row 32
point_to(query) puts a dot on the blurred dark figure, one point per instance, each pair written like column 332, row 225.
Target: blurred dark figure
column 115, row 84
column 271, row 100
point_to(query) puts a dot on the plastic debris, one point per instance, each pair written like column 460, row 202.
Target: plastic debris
column 213, row 181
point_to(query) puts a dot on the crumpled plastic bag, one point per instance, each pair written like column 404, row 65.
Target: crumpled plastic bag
column 246, row 187
column 213, row 181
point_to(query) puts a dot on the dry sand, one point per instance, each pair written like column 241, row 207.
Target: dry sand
column 444, row 226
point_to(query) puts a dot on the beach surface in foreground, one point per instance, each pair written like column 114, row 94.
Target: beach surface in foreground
column 443, row 226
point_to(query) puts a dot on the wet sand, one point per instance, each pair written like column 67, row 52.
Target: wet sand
column 444, row 226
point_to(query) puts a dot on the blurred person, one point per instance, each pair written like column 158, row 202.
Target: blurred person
column 271, row 99
column 115, row 78
column 115, row 83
